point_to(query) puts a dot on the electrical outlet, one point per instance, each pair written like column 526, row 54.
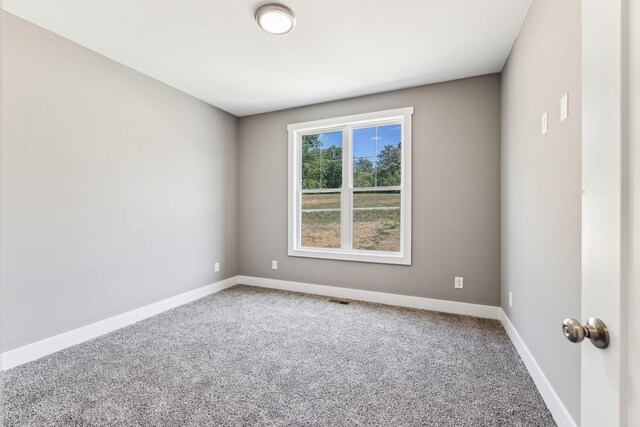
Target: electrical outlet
column 274, row 264
column 458, row 283
column 510, row 299
column 216, row 267
column 545, row 123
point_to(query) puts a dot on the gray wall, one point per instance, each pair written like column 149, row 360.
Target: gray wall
column 456, row 194
column 541, row 190
column 117, row 191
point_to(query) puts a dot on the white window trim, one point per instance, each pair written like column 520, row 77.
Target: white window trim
column 295, row 182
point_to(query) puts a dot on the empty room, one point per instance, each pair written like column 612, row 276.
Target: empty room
column 320, row 213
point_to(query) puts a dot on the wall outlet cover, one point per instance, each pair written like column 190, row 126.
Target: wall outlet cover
column 564, row 107
column 458, row 283
column 274, row 264
column 545, row 123
column 216, row 267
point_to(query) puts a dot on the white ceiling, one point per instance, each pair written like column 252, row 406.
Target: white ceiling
column 214, row 50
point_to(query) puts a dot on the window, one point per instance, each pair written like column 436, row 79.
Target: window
column 350, row 188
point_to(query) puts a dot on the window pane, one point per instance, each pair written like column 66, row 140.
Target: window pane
column 377, row 156
column 376, row 220
column 364, row 143
column 321, row 220
column 389, row 156
column 322, row 160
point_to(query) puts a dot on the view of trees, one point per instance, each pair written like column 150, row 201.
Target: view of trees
column 384, row 171
column 322, row 167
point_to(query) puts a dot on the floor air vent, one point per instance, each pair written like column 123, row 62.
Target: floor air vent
column 339, row 301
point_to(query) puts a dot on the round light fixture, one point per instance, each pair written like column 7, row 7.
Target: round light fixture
column 275, row 18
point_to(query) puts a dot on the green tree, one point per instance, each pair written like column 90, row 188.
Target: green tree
column 389, row 166
column 311, row 154
column 331, row 166
column 363, row 173
column 321, row 168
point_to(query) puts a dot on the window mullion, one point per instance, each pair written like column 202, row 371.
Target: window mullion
column 345, row 217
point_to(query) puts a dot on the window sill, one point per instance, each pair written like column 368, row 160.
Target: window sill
column 357, row 256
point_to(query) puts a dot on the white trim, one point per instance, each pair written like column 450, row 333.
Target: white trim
column 361, row 256
column 476, row 310
column 321, row 190
column 401, row 116
column 351, row 120
column 405, row 202
column 56, row 343
column 556, row 407
column 59, row 342
column 346, row 202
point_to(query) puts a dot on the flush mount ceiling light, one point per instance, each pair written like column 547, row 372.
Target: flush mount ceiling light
column 275, row 18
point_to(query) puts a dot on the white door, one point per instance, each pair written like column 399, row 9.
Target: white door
column 604, row 208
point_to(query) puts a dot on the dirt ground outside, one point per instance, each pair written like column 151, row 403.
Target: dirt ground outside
column 376, row 222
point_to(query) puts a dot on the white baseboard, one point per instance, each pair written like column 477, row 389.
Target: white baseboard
column 476, row 310
column 56, row 343
column 50, row 345
column 549, row 395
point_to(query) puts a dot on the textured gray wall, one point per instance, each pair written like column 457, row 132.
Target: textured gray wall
column 117, row 191
column 456, row 194
column 541, row 190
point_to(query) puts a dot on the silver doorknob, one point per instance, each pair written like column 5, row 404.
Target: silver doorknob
column 595, row 330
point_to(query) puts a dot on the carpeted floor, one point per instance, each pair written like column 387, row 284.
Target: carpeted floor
column 254, row 357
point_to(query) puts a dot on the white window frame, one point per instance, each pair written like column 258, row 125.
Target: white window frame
column 400, row 116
